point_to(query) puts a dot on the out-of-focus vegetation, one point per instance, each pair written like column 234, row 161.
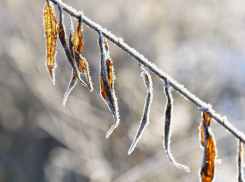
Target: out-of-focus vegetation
column 199, row 43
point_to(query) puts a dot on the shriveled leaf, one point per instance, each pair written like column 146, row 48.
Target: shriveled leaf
column 62, row 36
column 79, row 62
column 78, row 45
column 107, row 81
column 83, row 68
column 240, row 175
column 167, row 127
column 50, row 26
column 207, row 118
column 145, row 118
column 207, row 171
column 70, row 87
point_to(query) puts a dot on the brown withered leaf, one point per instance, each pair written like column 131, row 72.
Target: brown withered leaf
column 145, row 118
column 207, row 118
column 80, row 61
column 81, row 64
column 62, row 36
column 107, row 81
column 78, row 45
column 167, row 127
column 240, row 174
column 207, row 171
column 83, row 68
column 51, row 37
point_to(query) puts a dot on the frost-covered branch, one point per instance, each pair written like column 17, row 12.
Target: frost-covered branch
column 164, row 76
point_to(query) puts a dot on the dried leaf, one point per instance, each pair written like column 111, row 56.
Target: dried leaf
column 78, row 45
column 79, row 62
column 107, row 82
column 83, row 68
column 240, row 162
column 207, row 118
column 145, row 118
column 207, row 171
column 72, row 84
column 167, row 127
column 51, row 37
column 62, row 36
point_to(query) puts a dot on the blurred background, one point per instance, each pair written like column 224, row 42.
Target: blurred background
column 199, row 43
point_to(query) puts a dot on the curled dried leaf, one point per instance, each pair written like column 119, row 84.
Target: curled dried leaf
column 50, row 26
column 145, row 118
column 240, row 175
column 167, row 127
column 80, row 63
column 107, row 81
column 207, row 171
column 62, row 36
column 83, row 68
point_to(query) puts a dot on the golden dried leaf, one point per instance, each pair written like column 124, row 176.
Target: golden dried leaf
column 167, row 127
column 78, row 45
column 207, row 118
column 240, row 175
column 51, row 37
column 75, row 47
column 107, row 81
column 145, row 118
column 207, row 171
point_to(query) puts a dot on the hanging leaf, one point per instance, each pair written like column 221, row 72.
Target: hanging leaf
column 240, row 162
column 167, row 127
column 83, row 68
column 51, row 37
column 207, row 171
column 207, row 118
column 107, row 82
column 145, row 118
column 62, row 36
column 79, row 61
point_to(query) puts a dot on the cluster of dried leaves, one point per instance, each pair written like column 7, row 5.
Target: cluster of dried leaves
column 80, row 71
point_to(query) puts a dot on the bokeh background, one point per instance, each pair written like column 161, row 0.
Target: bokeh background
column 200, row 43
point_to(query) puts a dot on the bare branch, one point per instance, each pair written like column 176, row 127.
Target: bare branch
column 164, row 76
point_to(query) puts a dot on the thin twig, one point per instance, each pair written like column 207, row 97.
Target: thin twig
column 164, row 76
